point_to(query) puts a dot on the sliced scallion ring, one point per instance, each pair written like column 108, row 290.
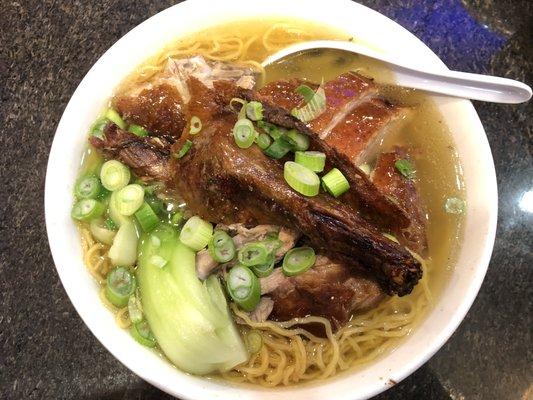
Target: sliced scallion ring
column 301, row 179
column 88, row 187
column 314, row 160
column 405, row 168
column 115, row 117
column 141, row 333
column 196, row 233
column 129, row 199
column 263, row 141
column 298, row 141
column 243, row 287
column 97, row 128
column 120, row 286
column 244, row 133
column 87, row 210
column 184, row 149
column 253, row 254
column 196, row 125
column 274, row 131
column 313, row 108
column 135, row 309
column 138, row 130
column 335, row 182
column 264, row 270
column 254, row 111
column 278, row 149
column 114, row 175
column 221, row 247
column 298, row 260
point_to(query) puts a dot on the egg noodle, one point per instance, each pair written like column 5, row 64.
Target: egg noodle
column 289, row 353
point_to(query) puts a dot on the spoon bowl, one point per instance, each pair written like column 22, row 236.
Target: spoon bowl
column 437, row 80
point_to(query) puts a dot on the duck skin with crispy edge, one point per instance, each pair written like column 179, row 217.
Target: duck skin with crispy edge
column 221, row 182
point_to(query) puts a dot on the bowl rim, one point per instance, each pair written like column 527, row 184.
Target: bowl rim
column 409, row 366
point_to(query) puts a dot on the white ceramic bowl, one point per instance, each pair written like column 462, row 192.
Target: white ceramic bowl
column 361, row 22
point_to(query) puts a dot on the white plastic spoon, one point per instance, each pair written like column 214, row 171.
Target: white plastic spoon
column 444, row 81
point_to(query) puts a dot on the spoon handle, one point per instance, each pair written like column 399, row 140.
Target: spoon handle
column 437, row 80
column 464, row 85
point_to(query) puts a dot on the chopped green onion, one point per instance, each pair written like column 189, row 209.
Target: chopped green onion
column 87, row 209
column 264, row 270
column 244, row 133
column 243, row 287
column 278, row 149
column 298, row 260
column 254, row 111
column 365, row 168
column 100, row 232
column 299, row 141
column 157, row 261
column 114, row 117
column 335, row 182
column 313, row 108
column 142, row 334
column 272, row 244
column 254, row 341
column 146, row 217
column 129, row 199
column 88, row 187
column 110, row 224
column 390, row 237
column 405, row 168
column 221, row 247
column 263, row 141
column 176, row 218
column 196, row 125
column 301, row 179
column 135, row 309
column 306, row 92
column 138, row 130
column 156, row 204
column 314, row 160
column 274, row 131
column 97, row 128
column 120, row 286
column 196, row 233
column 455, row 205
column 253, row 254
column 241, row 112
column 114, row 175
column 184, row 149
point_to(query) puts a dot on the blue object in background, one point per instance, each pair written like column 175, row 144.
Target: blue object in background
column 449, row 30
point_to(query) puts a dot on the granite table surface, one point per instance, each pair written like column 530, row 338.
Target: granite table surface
column 46, row 352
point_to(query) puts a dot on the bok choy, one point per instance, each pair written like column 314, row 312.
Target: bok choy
column 189, row 318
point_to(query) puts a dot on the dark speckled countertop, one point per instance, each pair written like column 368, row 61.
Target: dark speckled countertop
column 46, row 352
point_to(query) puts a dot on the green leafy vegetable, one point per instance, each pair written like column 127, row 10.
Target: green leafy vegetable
column 189, row 319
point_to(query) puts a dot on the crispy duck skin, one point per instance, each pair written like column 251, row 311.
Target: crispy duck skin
column 363, row 194
column 223, row 183
column 387, row 178
column 149, row 157
column 329, row 289
column 159, row 109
